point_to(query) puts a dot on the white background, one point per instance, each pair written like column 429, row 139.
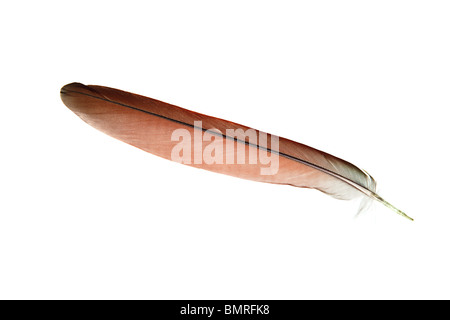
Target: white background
column 84, row 216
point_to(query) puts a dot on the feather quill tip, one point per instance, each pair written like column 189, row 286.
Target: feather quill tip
column 390, row 206
column 400, row 212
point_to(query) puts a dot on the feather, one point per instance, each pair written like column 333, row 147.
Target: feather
column 215, row 144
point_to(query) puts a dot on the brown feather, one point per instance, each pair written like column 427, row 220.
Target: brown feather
column 148, row 124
